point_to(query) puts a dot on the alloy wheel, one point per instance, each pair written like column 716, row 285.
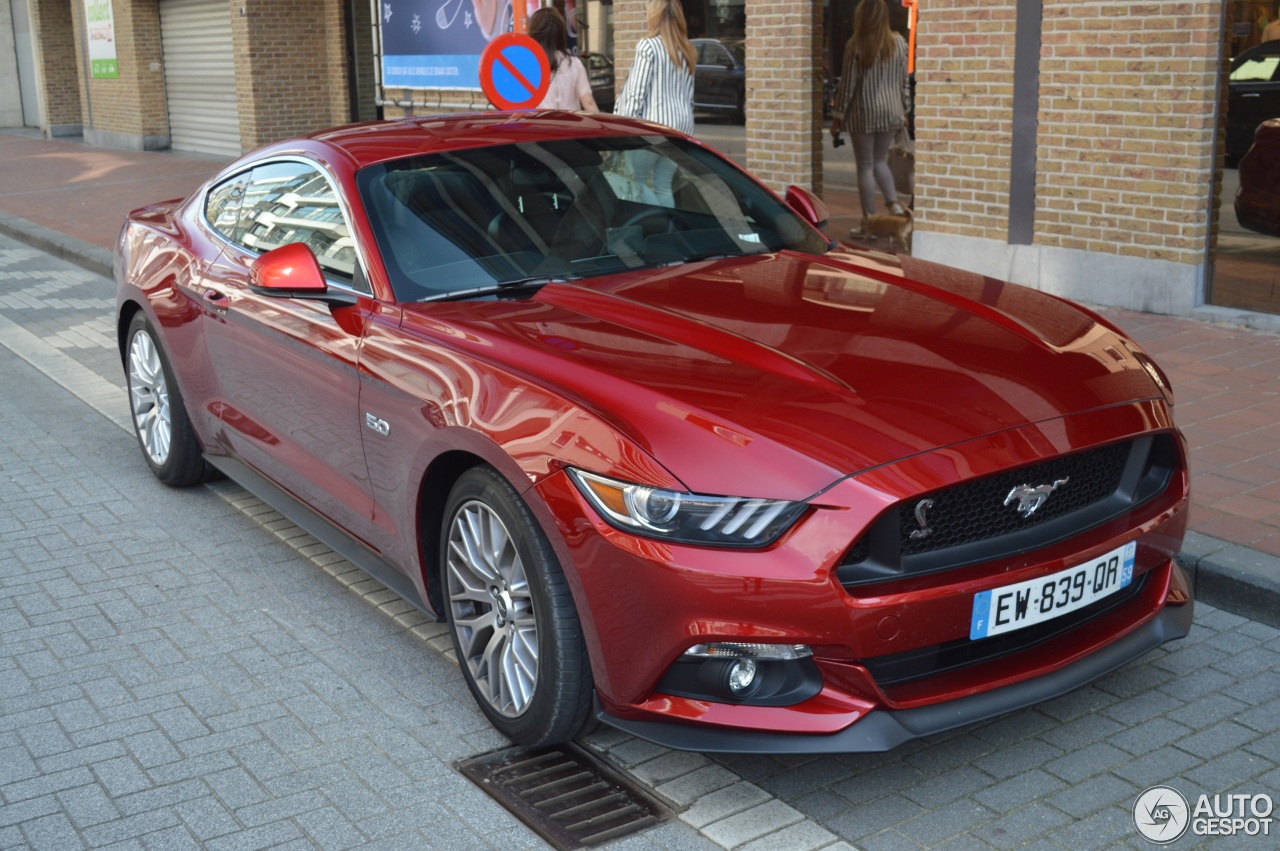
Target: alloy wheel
column 149, row 398
column 492, row 608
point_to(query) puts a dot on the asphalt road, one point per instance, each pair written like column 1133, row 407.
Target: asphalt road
column 187, row 669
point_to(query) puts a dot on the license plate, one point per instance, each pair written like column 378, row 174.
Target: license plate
column 1038, row 600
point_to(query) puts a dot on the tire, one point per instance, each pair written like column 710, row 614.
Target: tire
column 159, row 415
column 514, row 625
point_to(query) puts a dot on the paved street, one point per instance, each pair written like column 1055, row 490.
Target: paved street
column 187, row 669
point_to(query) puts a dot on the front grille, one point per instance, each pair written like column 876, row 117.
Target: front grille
column 970, row 522
column 975, row 511
column 940, row 658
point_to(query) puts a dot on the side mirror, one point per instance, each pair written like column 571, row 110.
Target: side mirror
column 808, row 205
column 291, row 271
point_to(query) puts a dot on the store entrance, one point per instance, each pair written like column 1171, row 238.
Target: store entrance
column 1246, row 271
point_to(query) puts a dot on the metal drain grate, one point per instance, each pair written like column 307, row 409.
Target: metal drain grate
column 568, row 796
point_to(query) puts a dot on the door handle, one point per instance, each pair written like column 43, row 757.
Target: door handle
column 216, row 300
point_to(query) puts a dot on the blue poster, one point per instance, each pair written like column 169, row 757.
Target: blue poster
column 436, row 44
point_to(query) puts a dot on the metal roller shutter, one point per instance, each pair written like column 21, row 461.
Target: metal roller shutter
column 200, row 76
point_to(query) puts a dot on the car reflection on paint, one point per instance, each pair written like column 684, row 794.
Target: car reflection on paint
column 660, row 453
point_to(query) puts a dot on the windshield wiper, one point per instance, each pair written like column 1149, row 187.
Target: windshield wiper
column 531, row 282
column 706, row 255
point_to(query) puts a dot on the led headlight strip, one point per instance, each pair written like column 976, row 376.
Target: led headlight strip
column 724, row 521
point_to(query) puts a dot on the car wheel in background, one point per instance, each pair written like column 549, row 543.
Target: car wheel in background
column 159, row 415
column 511, row 614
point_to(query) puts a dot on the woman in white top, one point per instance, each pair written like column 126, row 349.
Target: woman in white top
column 570, row 88
column 660, row 86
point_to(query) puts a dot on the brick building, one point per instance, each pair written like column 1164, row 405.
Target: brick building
column 1071, row 145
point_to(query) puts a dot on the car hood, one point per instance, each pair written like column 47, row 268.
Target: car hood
column 777, row 375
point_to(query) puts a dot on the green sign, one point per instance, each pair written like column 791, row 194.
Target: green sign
column 100, row 29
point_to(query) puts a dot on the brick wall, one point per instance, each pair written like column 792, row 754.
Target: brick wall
column 1127, row 117
column 132, row 104
column 964, row 112
column 1124, row 158
column 629, row 26
column 784, row 92
column 57, row 54
column 291, row 67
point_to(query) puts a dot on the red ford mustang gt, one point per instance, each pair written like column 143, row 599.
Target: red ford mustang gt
column 660, row 453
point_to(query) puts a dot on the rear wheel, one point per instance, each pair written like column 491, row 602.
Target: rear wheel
column 159, row 415
column 511, row 615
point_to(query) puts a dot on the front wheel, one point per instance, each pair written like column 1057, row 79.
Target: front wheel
column 159, row 416
column 511, row 615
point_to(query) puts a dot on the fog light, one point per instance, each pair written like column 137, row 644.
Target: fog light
column 752, row 673
column 741, row 675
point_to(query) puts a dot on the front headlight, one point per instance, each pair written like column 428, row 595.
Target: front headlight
column 688, row 518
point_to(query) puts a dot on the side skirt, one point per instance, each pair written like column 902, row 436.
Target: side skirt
column 321, row 529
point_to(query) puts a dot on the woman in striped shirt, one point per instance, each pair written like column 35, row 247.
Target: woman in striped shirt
column 660, row 89
column 873, row 100
column 660, row 86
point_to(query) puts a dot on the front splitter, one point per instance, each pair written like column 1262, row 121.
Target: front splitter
column 884, row 729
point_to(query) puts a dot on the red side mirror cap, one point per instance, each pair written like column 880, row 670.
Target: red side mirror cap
column 808, row 205
column 290, row 271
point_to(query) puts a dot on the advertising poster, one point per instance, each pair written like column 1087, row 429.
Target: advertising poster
column 436, row 44
column 100, row 27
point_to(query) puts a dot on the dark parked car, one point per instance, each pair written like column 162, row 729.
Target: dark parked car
column 659, row 451
column 1258, row 198
column 1254, row 95
column 720, row 81
column 600, row 74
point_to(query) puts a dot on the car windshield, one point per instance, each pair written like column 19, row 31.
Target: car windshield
column 565, row 209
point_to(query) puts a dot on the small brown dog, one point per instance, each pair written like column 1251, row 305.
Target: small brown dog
column 896, row 228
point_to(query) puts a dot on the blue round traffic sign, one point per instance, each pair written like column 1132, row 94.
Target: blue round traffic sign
column 514, row 73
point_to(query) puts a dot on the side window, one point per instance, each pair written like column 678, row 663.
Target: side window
column 717, row 55
column 290, row 202
column 222, row 206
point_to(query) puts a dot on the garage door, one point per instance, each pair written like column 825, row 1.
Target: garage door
column 200, row 76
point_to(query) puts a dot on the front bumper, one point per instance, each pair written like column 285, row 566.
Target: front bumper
column 884, row 729
column 642, row 603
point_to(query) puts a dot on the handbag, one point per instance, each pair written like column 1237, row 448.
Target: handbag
column 902, row 163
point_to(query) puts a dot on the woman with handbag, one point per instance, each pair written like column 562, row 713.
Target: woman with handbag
column 873, row 101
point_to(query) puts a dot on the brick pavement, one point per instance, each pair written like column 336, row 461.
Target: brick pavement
column 173, row 677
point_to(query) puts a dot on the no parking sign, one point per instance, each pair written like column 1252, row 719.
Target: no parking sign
column 514, row 73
